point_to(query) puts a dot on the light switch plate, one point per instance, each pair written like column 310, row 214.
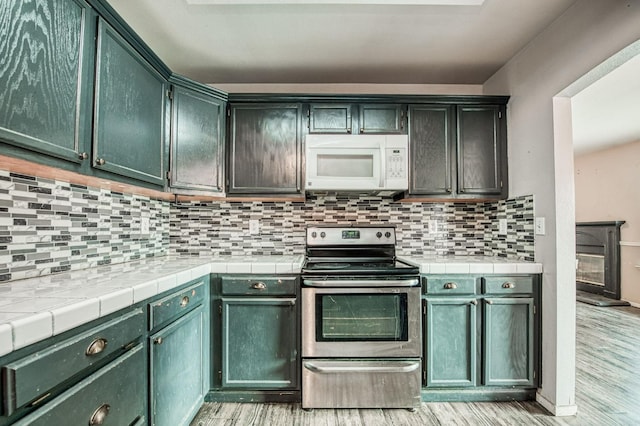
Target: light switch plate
column 254, row 227
column 540, row 226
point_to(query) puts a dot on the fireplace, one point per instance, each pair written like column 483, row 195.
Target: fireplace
column 598, row 258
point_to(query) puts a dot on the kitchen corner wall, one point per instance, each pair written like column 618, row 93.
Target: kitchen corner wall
column 49, row 226
column 222, row 228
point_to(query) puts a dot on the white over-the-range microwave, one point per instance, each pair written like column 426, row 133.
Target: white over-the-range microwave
column 376, row 164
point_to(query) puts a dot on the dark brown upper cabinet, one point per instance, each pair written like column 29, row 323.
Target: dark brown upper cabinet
column 357, row 118
column 265, row 149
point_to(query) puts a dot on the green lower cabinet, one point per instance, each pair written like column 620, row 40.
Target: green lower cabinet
column 114, row 395
column 259, row 343
column 450, row 344
column 508, row 350
column 177, row 370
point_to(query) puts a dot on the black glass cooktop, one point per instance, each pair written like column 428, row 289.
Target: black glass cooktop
column 358, row 267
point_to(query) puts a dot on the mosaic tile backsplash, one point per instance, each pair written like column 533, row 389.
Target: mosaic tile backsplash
column 222, row 228
column 49, row 226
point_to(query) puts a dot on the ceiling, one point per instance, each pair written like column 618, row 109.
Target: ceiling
column 302, row 42
column 605, row 113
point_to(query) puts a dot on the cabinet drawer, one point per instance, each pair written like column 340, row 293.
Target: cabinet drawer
column 176, row 304
column 259, row 285
column 116, row 392
column 508, row 284
column 449, row 284
column 31, row 377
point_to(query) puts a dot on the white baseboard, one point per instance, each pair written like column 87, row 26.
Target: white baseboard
column 634, row 304
column 560, row 411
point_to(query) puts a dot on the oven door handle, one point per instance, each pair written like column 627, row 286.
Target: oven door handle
column 404, row 368
column 413, row 282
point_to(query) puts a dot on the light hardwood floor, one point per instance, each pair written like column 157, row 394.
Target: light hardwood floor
column 607, row 390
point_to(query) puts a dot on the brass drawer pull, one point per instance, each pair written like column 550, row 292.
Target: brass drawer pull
column 489, row 302
column 39, row 400
column 450, row 286
column 474, row 302
column 158, row 340
column 95, row 347
column 259, row 286
column 184, row 302
column 98, row 417
column 508, row 285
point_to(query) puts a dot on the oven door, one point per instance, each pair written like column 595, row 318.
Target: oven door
column 370, row 322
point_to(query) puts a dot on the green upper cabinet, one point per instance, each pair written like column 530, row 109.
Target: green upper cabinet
column 265, row 149
column 382, row 118
column 197, row 141
column 330, row 118
column 431, row 146
column 46, row 76
column 356, row 118
column 481, row 150
column 129, row 112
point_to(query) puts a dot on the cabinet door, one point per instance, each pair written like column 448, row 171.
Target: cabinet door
column 265, row 149
column 330, row 118
column 178, row 370
column 431, row 146
column 481, row 149
column 259, row 341
column 382, row 118
column 197, row 123
column 46, row 75
column 450, row 342
column 129, row 110
column 508, row 351
column 114, row 395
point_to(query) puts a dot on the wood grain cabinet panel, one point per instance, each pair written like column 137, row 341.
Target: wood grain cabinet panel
column 481, row 156
column 450, row 344
column 129, row 112
column 197, row 141
column 330, row 118
column 259, row 343
column 382, row 118
column 46, row 75
column 431, row 146
column 265, row 149
column 508, row 350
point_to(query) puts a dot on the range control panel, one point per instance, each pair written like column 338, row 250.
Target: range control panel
column 362, row 236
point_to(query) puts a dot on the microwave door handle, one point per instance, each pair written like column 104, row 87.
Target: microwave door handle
column 382, row 167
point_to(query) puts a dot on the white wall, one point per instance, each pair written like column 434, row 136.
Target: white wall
column 541, row 161
column 607, row 189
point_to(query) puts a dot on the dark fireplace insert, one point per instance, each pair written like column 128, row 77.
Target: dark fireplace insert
column 598, row 258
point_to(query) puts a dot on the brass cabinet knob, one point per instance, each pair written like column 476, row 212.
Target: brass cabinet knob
column 474, row 302
column 100, row 162
column 83, row 155
column 98, row 417
column 95, row 347
column 450, row 286
column 259, row 285
column 184, row 302
column 508, row 285
column 158, row 340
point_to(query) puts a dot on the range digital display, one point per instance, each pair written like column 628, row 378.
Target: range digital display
column 351, row 234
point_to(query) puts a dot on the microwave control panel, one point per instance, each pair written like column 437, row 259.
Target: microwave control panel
column 396, row 163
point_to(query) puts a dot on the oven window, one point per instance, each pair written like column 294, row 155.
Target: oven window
column 361, row 317
column 345, row 165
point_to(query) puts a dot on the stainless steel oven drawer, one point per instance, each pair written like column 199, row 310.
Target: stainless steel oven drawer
column 336, row 383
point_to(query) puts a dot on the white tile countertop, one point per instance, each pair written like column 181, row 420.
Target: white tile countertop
column 471, row 265
column 34, row 309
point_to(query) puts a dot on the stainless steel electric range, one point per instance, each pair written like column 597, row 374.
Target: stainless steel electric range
column 361, row 321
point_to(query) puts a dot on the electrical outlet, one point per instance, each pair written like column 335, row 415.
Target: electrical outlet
column 540, row 226
column 144, row 225
column 433, row 226
column 254, row 226
column 502, row 226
